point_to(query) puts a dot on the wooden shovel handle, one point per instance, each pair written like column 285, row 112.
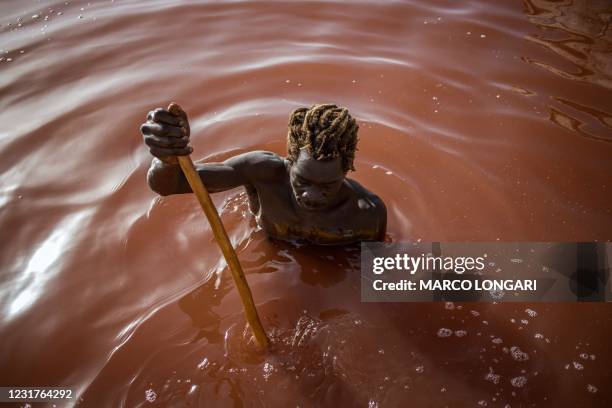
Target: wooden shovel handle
column 198, row 188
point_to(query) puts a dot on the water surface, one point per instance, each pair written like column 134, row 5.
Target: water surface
column 479, row 121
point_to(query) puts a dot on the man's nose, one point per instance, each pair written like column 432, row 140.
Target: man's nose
column 312, row 196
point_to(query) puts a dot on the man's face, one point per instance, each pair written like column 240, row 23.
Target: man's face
column 315, row 183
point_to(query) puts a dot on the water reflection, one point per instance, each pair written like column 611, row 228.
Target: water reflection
column 580, row 33
column 130, row 305
column 43, row 266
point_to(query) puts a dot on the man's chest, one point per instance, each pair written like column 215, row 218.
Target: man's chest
column 342, row 224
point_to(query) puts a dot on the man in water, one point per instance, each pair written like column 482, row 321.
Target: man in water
column 305, row 195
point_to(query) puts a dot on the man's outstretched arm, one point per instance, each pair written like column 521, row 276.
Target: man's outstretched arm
column 168, row 136
column 242, row 170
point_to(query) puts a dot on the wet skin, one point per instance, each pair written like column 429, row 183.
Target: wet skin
column 309, row 199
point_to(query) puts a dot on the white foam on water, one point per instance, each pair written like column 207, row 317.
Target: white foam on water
column 518, row 382
column 518, row 354
column 150, row 395
column 444, row 332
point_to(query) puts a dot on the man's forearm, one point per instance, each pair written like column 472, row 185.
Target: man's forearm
column 166, row 177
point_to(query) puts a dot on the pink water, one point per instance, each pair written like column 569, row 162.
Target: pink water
column 478, row 121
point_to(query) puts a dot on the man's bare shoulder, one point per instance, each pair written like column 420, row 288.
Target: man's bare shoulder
column 259, row 165
column 367, row 200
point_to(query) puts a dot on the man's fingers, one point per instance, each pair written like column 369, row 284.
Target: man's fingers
column 166, row 132
column 166, row 152
column 157, row 129
column 163, row 116
column 163, row 141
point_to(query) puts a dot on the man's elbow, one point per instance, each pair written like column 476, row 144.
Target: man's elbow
column 157, row 187
column 159, row 183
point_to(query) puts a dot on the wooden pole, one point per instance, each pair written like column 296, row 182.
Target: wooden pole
column 222, row 239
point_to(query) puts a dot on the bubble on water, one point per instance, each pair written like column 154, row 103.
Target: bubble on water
column 592, row 356
column 591, row 388
column 512, row 320
column 474, row 313
column 497, row 340
column 449, row 305
column 419, row 369
column 525, row 321
column 577, row 366
column 482, row 403
column 519, row 381
column 538, row 336
column 531, row 312
column 460, row 333
column 497, row 294
column 35, row 16
column 584, row 356
column 381, row 351
column 357, row 322
column 516, row 260
column 372, row 404
column 267, row 370
column 150, row 395
column 203, row 364
column 567, row 367
column 518, row 354
column 492, row 377
column 444, row 332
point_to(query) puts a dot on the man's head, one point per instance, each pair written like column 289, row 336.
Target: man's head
column 321, row 146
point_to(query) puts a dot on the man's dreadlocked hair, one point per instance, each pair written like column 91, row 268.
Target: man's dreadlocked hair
column 326, row 130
